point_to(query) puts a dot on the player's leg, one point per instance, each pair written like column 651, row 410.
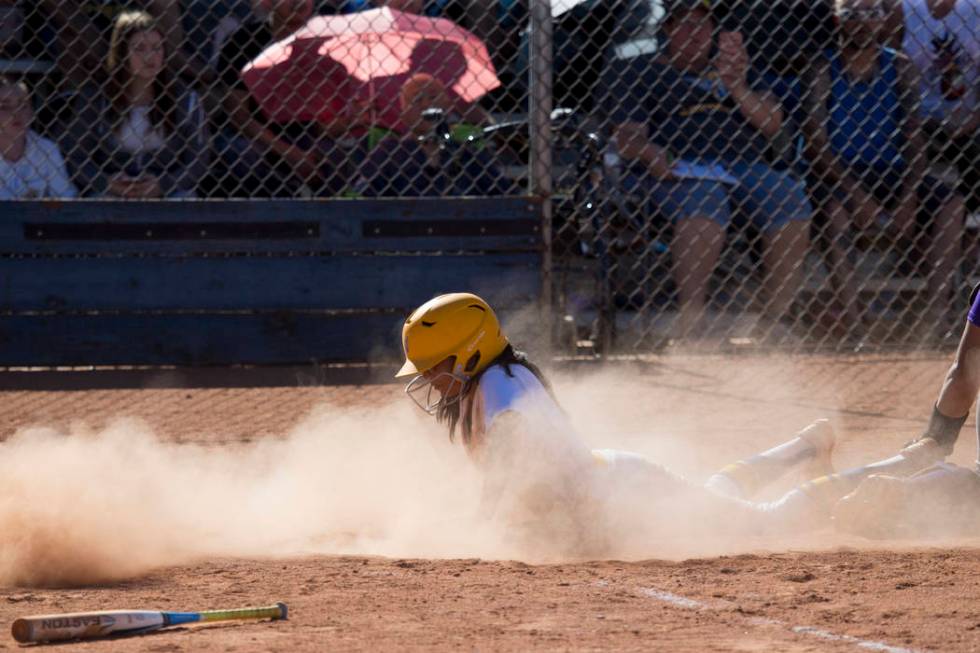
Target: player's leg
column 811, row 505
column 809, row 451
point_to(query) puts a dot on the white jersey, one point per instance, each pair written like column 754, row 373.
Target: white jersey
column 946, row 52
column 519, row 391
column 40, row 172
column 550, row 449
column 552, row 491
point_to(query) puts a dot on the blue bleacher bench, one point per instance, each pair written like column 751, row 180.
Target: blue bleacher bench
column 255, row 283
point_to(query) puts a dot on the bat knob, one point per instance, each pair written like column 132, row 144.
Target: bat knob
column 283, row 610
column 21, row 630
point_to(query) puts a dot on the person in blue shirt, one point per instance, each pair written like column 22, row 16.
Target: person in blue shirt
column 696, row 135
column 869, row 156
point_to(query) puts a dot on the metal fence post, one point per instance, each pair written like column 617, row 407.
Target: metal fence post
column 540, row 173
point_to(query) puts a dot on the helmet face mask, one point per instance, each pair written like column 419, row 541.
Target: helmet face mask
column 424, row 392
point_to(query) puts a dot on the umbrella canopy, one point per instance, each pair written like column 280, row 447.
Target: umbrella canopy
column 559, row 7
column 336, row 62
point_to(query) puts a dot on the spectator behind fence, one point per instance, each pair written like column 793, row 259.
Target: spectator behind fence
column 445, row 59
column 135, row 137
column 84, row 27
column 423, row 163
column 257, row 156
column 865, row 141
column 12, row 30
column 30, row 166
column 498, row 23
column 705, row 113
column 942, row 38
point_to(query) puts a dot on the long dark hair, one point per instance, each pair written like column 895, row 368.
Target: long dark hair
column 164, row 109
column 450, row 414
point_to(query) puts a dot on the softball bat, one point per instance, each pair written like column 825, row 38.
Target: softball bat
column 92, row 625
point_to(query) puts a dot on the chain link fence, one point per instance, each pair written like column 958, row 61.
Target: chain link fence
column 794, row 173
column 786, row 174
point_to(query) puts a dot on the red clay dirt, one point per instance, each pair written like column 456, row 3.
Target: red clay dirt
column 824, row 593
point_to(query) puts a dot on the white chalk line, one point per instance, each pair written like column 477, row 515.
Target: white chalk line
column 673, row 599
column 692, row 604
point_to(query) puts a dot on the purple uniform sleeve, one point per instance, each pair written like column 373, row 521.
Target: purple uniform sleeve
column 974, row 316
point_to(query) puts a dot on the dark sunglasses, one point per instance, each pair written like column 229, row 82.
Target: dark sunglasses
column 878, row 12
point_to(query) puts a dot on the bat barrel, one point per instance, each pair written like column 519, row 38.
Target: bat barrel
column 84, row 625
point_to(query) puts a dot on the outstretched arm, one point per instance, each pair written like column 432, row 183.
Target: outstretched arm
column 961, row 385
column 962, row 381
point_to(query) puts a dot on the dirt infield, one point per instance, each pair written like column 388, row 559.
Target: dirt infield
column 814, row 593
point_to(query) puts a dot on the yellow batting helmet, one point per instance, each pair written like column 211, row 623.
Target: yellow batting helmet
column 458, row 324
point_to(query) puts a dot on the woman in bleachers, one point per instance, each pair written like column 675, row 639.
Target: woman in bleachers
column 30, row 166
column 865, row 140
column 138, row 136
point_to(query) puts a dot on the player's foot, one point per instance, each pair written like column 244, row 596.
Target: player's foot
column 820, row 436
column 925, row 452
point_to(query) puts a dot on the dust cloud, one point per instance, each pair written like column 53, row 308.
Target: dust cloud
column 81, row 506
column 84, row 507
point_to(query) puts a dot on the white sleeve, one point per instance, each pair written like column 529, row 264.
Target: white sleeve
column 9, row 188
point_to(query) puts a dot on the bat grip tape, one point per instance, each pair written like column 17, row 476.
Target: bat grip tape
column 176, row 618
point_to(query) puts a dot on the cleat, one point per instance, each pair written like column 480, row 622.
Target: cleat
column 820, row 436
column 924, row 451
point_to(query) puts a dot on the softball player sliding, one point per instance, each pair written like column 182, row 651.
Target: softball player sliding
column 543, row 480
